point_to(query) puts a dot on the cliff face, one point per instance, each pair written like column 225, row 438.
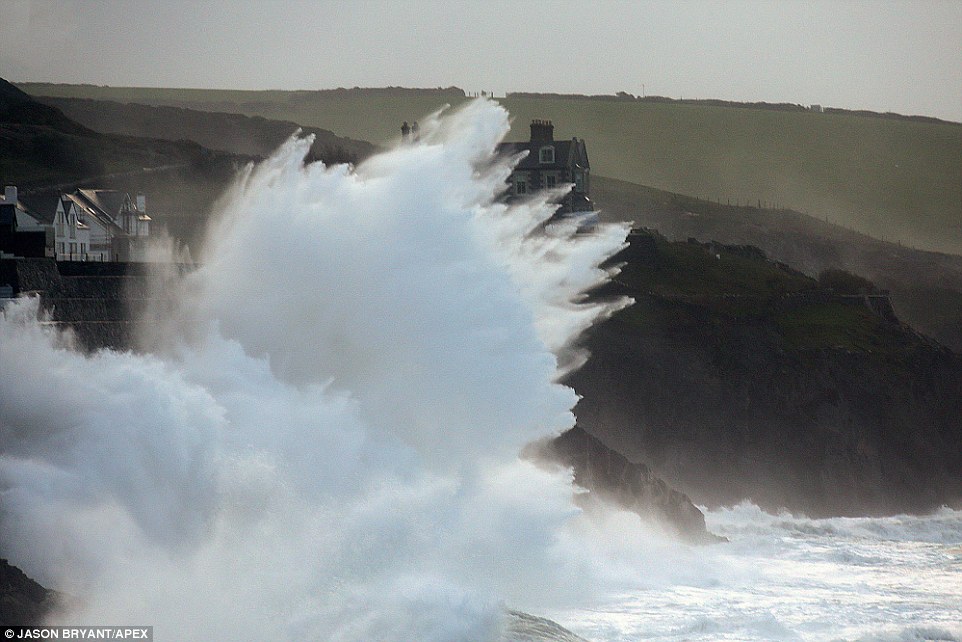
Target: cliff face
column 23, row 602
column 779, row 392
column 611, row 479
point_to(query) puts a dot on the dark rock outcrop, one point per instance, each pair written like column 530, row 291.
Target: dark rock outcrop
column 521, row 627
column 824, row 406
column 23, row 602
column 611, row 478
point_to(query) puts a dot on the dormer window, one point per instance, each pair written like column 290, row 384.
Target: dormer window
column 546, row 155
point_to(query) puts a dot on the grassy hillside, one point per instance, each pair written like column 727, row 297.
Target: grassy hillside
column 41, row 147
column 237, row 133
column 738, row 284
column 892, row 179
column 41, row 150
column 926, row 286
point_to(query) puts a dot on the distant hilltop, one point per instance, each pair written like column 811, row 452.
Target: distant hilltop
column 388, row 91
column 33, row 87
column 716, row 102
column 298, row 95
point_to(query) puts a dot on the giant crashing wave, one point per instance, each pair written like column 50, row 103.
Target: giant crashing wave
column 320, row 439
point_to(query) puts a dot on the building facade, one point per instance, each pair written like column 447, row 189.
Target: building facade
column 119, row 225
column 548, row 163
column 85, row 225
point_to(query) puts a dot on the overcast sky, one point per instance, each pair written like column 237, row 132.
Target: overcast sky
column 887, row 56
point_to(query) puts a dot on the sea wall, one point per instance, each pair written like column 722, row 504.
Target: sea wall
column 94, row 300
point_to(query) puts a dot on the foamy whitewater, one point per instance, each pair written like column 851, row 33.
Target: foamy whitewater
column 320, row 440
column 784, row 577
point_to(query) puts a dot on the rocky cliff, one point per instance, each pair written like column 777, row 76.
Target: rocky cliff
column 926, row 286
column 735, row 377
column 23, row 602
column 610, row 478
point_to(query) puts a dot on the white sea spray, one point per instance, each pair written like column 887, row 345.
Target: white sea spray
column 322, row 440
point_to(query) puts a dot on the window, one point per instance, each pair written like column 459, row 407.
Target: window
column 521, row 187
column 546, row 155
column 550, row 180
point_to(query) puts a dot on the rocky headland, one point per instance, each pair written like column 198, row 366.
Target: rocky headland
column 734, row 377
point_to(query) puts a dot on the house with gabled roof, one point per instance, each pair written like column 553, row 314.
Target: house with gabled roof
column 119, row 225
column 69, row 232
column 548, row 163
column 88, row 224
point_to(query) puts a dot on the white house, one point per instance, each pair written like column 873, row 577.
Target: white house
column 71, row 232
column 68, row 233
column 89, row 224
column 119, row 226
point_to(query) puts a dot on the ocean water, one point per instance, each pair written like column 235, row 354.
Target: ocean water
column 785, row 577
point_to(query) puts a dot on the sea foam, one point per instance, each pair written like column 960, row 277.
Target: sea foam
column 320, row 440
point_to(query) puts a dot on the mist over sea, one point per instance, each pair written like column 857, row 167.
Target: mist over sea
column 319, row 440
column 785, row 577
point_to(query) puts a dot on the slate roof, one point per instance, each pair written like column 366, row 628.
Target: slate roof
column 89, row 207
column 109, row 201
column 42, row 207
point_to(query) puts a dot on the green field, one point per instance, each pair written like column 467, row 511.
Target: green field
column 892, row 179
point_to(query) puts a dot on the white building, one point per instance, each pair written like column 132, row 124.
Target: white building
column 92, row 224
column 68, row 233
column 71, row 232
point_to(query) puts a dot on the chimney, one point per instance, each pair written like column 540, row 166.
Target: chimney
column 10, row 194
column 542, row 131
column 141, row 203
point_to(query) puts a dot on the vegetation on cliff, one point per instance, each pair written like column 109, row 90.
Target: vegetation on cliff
column 734, row 376
column 40, row 147
column 926, row 287
column 231, row 132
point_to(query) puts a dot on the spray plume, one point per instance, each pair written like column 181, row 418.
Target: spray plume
column 322, row 441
